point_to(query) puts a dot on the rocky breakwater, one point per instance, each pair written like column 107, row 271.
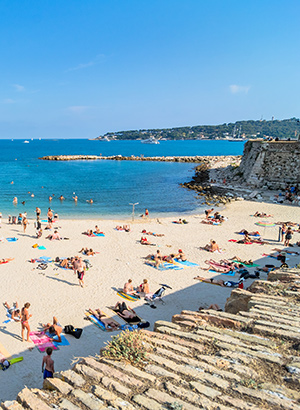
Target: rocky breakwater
column 191, row 159
column 211, row 191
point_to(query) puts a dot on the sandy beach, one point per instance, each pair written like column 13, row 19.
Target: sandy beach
column 56, row 292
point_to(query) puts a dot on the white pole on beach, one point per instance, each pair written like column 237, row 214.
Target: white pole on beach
column 133, row 205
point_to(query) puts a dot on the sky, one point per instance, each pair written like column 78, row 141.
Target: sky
column 79, row 69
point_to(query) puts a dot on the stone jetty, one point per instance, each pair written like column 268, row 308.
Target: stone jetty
column 191, row 159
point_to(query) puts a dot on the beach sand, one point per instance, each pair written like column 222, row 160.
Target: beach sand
column 57, row 292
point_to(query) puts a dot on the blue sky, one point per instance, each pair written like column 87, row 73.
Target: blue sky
column 78, row 69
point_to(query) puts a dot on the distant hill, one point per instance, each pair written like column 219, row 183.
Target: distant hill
column 247, row 129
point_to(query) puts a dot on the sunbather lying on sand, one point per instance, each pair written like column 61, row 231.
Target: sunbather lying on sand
column 55, row 329
column 253, row 233
column 144, row 241
column 180, row 221
column 88, row 252
column 6, row 260
column 125, row 312
column 288, row 223
column 261, row 215
column 88, row 233
column 66, row 263
column 236, row 258
column 109, row 323
column 211, row 222
column 212, row 247
column 152, row 233
column 219, row 282
column 14, row 311
column 286, row 251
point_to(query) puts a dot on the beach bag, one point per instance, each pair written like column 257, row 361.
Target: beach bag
column 70, row 330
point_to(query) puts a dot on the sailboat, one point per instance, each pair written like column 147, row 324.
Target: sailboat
column 238, row 138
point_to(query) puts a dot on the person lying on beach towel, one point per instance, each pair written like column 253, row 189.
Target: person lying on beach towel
column 211, row 222
column 212, row 247
column 125, row 228
column 109, row 323
column 262, row 215
column 180, row 221
column 125, row 312
column 254, row 233
column 220, row 282
column 6, row 260
column 13, row 311
column 55, row 329
column 152, row 233
column 244, row 262
column 144, row 241
column 293, row 253
column 88, row 233
column 87, row 252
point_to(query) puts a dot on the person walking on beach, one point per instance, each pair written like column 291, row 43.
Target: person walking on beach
column 79, row 270
column 48, row 364
column 25, row 316
column 288, row 236
column 38, row 212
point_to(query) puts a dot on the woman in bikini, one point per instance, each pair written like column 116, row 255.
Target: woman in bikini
column 24, row 320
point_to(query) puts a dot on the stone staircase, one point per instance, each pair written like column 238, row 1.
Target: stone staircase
column 212, row 360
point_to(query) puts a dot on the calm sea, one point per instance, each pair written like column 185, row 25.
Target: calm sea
column 112, row 185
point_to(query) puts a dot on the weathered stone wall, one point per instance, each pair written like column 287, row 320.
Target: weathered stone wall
column 272, row 164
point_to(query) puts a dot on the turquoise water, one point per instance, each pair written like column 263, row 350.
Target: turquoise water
column 111, row 184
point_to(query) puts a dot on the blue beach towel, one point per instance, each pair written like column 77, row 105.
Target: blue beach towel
column 11, row 239
column 222, row 273
column 186, row 263
column 99, row 234
column 165, row 266
column 41, row 247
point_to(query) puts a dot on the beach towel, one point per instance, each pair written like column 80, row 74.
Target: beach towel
column 64, row 341
column 42, row 341
column 11, row 239
column 132, row 298
column 99, row 234
column 254, row 265
column 165, row 266
column 186, row 263
column 230, row 273
column 99, row 323
column 41, row 247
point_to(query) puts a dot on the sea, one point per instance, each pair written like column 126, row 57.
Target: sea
column 113, row 185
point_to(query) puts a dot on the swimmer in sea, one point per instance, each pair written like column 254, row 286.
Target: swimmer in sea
column 15, row 200
column 90, row 201
column 75, row 198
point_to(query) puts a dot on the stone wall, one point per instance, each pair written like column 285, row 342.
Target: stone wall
column 272, row 164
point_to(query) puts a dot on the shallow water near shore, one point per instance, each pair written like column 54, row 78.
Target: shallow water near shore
column 112, row 185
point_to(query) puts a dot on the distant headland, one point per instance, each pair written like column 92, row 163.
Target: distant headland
column 240, row 130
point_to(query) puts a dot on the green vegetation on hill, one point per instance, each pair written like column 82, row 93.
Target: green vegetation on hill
column 248, row 129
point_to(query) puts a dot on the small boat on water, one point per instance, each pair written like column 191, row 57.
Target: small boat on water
column 150, row 140
column 26, row 142
column 105, row 138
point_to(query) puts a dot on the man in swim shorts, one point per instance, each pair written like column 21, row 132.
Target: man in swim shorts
column 48, row 363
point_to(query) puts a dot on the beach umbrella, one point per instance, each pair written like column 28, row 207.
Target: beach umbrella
column 265, row 224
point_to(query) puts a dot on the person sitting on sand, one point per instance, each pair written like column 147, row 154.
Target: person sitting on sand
column 181, row 256
column 109, row 323
column 54, row 329
column 144, row 241
column 212, row 247
column 246, row 238
column 66, row 263
column 14, row 311
column 208, row 212
column 128, row 287
column 126, row 228
column 125, row 311
column 144, row 287
column 169, row 258
column 97, row 230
